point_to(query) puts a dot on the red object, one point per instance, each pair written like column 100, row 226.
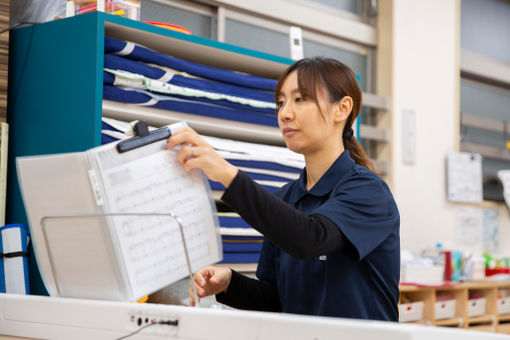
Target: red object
column 494, row 271
column 447, row 265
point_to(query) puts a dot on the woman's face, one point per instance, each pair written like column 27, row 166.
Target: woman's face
column 304, row 129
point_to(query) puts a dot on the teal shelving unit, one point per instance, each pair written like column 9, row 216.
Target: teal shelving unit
column 55, row 101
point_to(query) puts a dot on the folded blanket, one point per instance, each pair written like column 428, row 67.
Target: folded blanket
column 241, row 244
column 146, row 55
column 133, row 81
column 166, row 75
column 240, row 257
column 146, row 98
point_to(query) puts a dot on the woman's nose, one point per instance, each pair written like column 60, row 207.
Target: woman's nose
column 286, row 112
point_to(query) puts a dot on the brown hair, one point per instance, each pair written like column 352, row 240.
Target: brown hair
column 339, row 81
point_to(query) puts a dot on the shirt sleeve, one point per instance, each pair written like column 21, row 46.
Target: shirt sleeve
column 364, row 209
column 299, row 234
column 246, row 293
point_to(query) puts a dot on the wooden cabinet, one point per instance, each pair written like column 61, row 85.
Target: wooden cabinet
column 478, row 313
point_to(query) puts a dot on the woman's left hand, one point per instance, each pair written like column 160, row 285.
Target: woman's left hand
column 196, row 153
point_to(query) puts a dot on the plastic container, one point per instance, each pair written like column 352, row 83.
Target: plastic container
column 445, row 309
column 422, row 274
column 125, row 8
column 412, row 311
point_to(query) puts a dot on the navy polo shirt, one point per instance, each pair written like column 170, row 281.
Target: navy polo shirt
column 361, row 283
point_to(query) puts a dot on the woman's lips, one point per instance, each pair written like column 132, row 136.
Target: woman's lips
column 288, row 132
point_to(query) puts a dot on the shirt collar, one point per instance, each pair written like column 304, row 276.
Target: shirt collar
column 327, row 182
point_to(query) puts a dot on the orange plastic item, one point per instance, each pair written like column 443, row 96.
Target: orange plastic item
column 144, row 299
column 169, row 26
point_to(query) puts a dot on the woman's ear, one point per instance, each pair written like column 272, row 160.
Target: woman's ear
column 344, row 108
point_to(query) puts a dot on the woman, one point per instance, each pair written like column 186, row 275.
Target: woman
column 331, row 244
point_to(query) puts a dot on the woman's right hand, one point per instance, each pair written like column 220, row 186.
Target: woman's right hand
column 209, row 281
column 196, row 153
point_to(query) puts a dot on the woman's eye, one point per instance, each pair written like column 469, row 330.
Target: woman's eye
column 279, row 105
column 299, row 99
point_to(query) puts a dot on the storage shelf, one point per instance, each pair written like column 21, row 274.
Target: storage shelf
column 409, row 288
column 374, row 133
column 486, row 150
column 376, row 102
column 483, row 123
column 460, row 293
column 449, row 322
column 196, row 49
column 481, row 319
column 504, row 317
column 419, row 322
column 480, row 67
column 483, row 328
column 205, row 125
column 504, row 328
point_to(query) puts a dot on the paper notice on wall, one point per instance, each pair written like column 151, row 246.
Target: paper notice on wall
column 464, row 177
column 490, row 222
column 477, row 227
column 504, row 178
column 468, row 226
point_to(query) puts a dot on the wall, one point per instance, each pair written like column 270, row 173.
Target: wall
column 424, row 77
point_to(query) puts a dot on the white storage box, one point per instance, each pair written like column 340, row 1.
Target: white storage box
column 504, row 305
column 412, row 311
column 445, row 309
column 476, row 307
column 419, row 274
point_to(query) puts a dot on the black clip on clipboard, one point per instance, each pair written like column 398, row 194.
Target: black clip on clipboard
column 143, row 137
